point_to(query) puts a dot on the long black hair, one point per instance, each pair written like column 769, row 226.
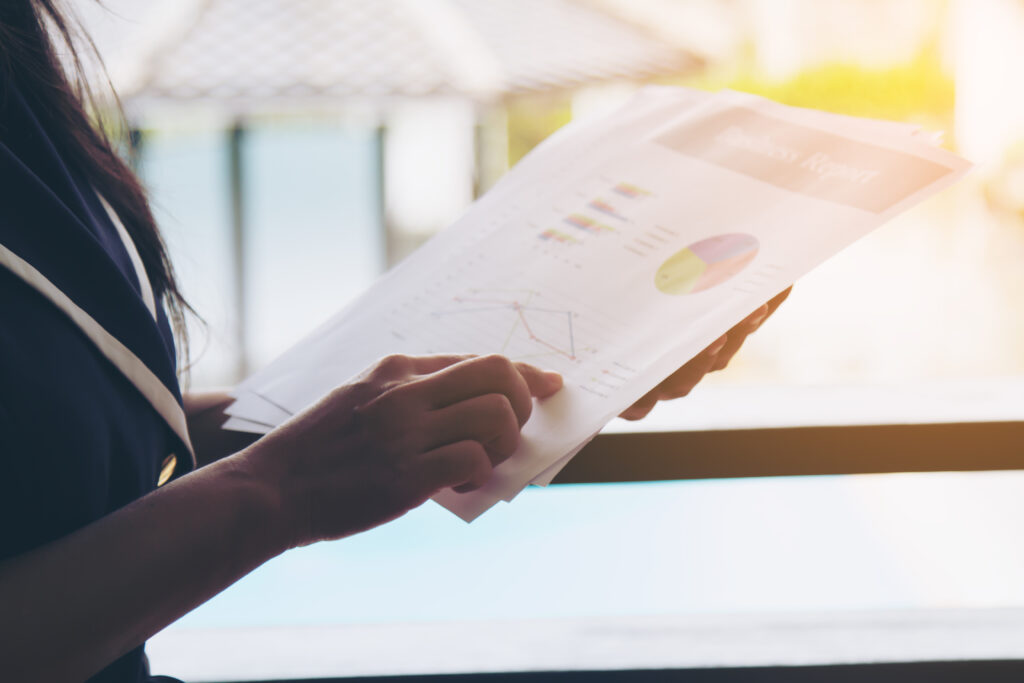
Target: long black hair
column 31, row 34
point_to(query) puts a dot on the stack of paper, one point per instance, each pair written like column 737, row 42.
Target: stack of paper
column 614, row 253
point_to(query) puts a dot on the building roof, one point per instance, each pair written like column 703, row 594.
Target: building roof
column 245, row 52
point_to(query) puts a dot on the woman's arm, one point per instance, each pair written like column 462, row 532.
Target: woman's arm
column 365, row 454
column 75, row 605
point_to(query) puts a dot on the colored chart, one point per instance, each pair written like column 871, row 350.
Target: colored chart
column 606, row 208
column 581, row 222
column 631, row 191
column 553, row 235
column 705, row 264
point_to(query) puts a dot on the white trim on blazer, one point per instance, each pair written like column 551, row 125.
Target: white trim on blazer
column 148, row 384
column 133, row 255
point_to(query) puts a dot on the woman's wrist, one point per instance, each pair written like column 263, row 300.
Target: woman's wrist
column 262, row 499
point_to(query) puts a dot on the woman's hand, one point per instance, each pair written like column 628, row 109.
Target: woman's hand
column 715, row 357
column 366, row 453
column 410, row 426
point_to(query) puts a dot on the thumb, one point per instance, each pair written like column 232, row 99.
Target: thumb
column 541, row 383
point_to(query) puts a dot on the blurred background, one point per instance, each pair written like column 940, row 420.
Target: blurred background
column 294, row 150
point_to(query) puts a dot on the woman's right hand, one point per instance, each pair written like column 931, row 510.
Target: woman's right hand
column 366, row 453
column 408, row 427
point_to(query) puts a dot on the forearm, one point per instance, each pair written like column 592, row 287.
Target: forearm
column 205, row 413
column 365, row 454
column 103, row 590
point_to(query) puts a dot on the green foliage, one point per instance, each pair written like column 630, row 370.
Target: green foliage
column 918, row 91
column 531, row 119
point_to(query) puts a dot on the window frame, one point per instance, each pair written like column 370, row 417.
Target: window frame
column 797, row 451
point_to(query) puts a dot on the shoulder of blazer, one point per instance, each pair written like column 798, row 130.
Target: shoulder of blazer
column 41, row 243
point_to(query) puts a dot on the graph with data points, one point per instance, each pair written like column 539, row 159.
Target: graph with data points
column 553, row 329
column 543, row 331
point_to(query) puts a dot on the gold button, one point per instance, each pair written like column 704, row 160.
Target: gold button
column 167, row 469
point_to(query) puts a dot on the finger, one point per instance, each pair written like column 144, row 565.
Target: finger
column 461, row 465
column 542, row 383
column 488, row 420
column 738, row 334
column 753, row 320
column 763, row 312
column 643, row 406
column 400, row 366
column 477, row 377
column 427, row 365
column 776, row 301
column 681, row 382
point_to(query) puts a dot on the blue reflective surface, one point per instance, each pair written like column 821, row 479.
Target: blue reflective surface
column 720, row 546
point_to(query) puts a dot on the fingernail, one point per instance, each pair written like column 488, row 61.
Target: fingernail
column 718, row 344
column 553, row 378
column 758, row 316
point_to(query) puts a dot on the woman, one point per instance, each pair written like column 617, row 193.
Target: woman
column 98, row 550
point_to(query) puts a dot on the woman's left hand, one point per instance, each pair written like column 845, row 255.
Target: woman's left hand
column 715, row 357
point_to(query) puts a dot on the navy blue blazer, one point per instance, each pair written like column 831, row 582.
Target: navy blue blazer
column 90, row 406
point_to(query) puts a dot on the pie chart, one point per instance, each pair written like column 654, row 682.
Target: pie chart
column 706, row 263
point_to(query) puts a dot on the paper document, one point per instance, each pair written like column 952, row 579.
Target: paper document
column 614, row 253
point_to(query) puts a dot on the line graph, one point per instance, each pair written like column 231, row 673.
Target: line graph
column 551, row 329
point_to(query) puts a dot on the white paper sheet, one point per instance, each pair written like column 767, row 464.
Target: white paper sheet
column 240, row 424
column 616, row 252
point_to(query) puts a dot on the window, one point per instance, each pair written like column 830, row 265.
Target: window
column 920, row 322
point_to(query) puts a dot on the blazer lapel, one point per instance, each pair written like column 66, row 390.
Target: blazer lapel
column 44, row 243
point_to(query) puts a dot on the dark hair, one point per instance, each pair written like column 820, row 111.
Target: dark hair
column 61, row 96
